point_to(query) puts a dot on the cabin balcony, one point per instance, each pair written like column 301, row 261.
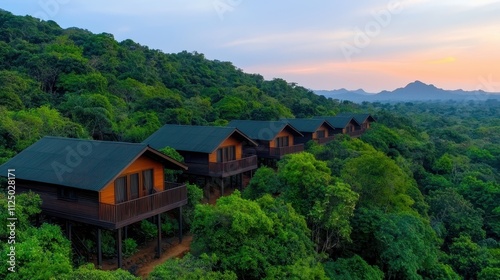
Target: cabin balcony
column 223, row 169
column 356, row 133
column 233, row 167
column 282, row 151
column 128, row 212
column 324, row 140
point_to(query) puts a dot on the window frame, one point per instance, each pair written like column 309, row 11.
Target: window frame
column 142, row 191
column 226, row 153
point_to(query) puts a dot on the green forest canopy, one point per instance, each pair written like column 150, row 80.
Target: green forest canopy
column 416, row 197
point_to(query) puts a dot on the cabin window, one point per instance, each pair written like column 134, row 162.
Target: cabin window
column 226, row 154
column 147, row 181
column 66, row 194
column 121, row 189
column 320, row 134
column 134, row 186
column 282, row 141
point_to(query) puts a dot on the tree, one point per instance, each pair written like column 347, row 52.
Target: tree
column 451, row 216
column 27, row 207
column 489, row 273
column 93, row 111
column 88, row 271
column 444, row 165
column 485, row 196
column 191, row 268
column 264, row 181
column 195, row 196
column 138, row 126
column 467, row 257
column 408, row 245
column 171, row 175
column 352, row 268
column 326, row 205
column 379, row 182
column 251, row 237
column 41, row 253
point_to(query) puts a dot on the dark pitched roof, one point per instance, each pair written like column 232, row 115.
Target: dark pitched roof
column 308, row 125
column 263, row 130
column 203, row 139
column 338, row 122
column 360, row 118
column 78, row 163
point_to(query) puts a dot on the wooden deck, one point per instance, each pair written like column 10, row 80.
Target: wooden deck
column 223, row 169
column 278, row 153
column 324, row 140
column 356, row 133
column 132, row 211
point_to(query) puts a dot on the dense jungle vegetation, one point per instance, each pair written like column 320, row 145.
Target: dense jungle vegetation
column 416, row 197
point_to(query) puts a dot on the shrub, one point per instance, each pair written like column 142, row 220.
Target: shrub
column 108, row 244
column 169, row 226
column 148, row 229
column 129, row 247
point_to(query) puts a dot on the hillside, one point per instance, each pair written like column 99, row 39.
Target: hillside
column 415, row 197
column 90, row 85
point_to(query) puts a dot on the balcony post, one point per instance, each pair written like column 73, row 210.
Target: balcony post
column 99, row 248
column 119, row 246
column 68, row 230
column 180, row 224
column 158, row 240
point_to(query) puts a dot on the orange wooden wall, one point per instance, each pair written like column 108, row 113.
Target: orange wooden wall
column 107, row 194
column 322, row 127
column 231, row 141
column 284, row 132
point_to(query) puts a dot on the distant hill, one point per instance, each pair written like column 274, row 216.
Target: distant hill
column 415, row 91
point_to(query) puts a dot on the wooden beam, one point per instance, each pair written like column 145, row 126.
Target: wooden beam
column 99, row 248
column 222, row 187
column 119, row 246
column 180, row 224
column 158, row 244
column 68, row 230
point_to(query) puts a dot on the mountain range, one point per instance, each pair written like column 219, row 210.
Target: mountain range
column 415, row 91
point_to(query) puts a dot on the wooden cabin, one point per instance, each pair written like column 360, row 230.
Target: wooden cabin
column 342, row 125
column 364, row 120
column 312, row 129
column 209, row 151
column 275, row 139
column 108, row 185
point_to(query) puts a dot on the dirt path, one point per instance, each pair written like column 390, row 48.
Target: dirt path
column 144, row 261
column 177, row 250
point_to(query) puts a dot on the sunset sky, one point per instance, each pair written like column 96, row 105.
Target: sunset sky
column 318, row 44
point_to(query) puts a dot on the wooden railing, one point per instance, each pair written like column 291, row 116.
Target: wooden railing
column 163, row 200
column 232, row 167
column 356, row 133
column 281, row 151
column 324, row 140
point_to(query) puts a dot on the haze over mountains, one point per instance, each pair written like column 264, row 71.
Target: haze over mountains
column 415, row 91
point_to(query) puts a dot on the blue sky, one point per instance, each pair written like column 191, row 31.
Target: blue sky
column 319, row 44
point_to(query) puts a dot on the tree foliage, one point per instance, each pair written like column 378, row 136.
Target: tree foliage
column 251, row 237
